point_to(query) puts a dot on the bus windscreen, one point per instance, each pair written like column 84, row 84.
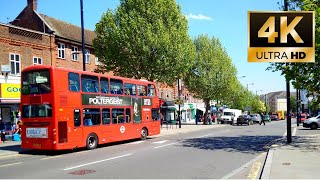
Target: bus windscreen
column 37, row 110
column 36, row 82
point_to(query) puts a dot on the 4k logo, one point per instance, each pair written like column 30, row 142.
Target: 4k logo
column 281, row 36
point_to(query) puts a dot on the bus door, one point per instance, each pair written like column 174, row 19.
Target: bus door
column 75, row 129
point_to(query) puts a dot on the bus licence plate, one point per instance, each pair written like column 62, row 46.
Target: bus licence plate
column 37, row 132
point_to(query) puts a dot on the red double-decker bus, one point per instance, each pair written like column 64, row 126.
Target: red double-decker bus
column 66, row 109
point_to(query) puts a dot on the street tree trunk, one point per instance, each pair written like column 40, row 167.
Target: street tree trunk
column 207, row 103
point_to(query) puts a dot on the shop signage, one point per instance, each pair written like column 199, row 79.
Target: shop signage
column 10, row 90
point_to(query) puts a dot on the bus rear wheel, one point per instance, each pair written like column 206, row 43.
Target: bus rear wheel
column 92, row 141
column 144, row 133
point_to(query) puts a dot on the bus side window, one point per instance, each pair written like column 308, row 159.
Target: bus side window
column 151, row 90
column 117, row 116
column 142, row 90
column 130, row 89
column 90, row 83
column 128, row 115
column 116, row 86
column 74, row 82
column 91, row 117
column 104, row 84
column 76, row 116
column 106, row 116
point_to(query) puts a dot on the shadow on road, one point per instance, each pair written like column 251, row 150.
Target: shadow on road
column 244, row 144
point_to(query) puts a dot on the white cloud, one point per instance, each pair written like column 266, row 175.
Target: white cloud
column 199, row 17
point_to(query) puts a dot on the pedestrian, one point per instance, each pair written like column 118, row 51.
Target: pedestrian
column 262, row 119
column 197, row 119
column 2, row 126
column 3, row 136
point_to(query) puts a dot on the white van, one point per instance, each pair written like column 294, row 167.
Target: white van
column 312, row 123
column 230, row 116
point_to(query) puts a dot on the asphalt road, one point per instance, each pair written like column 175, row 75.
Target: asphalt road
column 224, row 152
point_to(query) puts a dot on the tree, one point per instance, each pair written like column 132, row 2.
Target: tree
column 144, row 39
column 304, row 75
column 213, row 76
column 293, row 104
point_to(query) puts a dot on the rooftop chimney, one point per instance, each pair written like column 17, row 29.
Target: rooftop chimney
column 32, row 4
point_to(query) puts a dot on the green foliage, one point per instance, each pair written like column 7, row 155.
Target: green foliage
column 145, row 39
column 213, row 76
column 314, row 105
column 293, row 104
column 304, row 75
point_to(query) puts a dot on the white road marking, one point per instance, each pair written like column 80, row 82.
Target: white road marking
column 294, row 131
column 234, row 172
column 50, row 157
column 11, row 155
column 137, row 142
column 117, row 157
column 285, row 134
column 204, row 136
column 165, row 145
column 160, row 142
column 10, row 164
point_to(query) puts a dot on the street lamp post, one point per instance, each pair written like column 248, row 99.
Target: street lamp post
column 248, row 85
column 179, row 94
column 257, row 92
column 289, row 135
column 242, row 77
column 82, row 36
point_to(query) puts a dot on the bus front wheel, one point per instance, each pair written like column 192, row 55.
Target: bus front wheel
column 144, row 133
column 92, row 141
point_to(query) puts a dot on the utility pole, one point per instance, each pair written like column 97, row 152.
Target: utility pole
column 179, row 94
column 289, row 135
column 297, row 100
column 82, row 35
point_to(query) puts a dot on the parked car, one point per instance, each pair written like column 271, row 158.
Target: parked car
column 312, row 123
column 256, row 118
column 303, row 117
column 244, row 119
column 274, row 117
column 266, row 118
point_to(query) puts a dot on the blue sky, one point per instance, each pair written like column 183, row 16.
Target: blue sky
column 226, row 20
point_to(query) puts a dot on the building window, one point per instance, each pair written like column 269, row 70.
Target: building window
column 87, row 56
column 96, row 59
column 61, row 51
column 37, row 60
column 15, row 64
column 75, row 52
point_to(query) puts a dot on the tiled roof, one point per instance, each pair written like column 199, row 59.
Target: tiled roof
column 67, row 30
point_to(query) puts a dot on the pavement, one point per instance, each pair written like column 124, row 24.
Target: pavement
column 297, row 160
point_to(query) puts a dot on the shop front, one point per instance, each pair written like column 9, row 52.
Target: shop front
column 9, row 104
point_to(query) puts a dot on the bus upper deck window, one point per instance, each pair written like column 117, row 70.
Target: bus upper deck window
column 151, row 90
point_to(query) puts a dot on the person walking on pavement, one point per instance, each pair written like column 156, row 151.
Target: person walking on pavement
column 2, row 131
column 262, row 119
